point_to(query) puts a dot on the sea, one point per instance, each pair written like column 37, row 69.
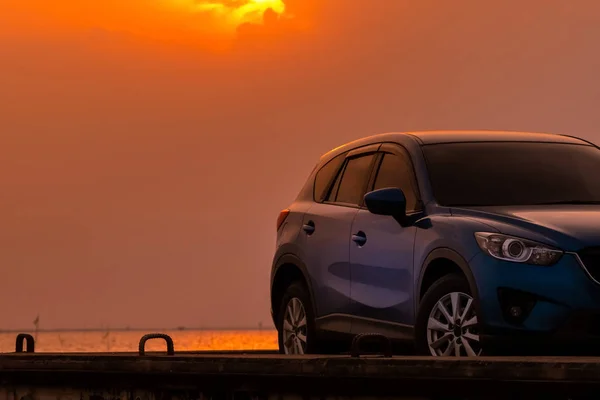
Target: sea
column 128, row 340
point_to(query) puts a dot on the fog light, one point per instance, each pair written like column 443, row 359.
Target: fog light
column 515, row 312
column 516, row 305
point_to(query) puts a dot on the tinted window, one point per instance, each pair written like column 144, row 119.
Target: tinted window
column 354, row 180
column 513, row 173
column 335, row 187
column 396, row 172
column 325, row 176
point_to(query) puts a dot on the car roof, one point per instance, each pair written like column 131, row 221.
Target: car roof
column 457, row 136
column 434, row 137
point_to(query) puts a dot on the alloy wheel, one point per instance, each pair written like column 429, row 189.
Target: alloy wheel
column 294, row 327
column 452, row 327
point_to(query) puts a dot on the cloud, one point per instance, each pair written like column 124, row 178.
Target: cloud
column 202, row 23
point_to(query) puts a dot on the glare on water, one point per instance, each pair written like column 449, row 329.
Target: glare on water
column 115, row 341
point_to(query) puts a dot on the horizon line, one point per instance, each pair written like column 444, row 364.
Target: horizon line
column 130, row 329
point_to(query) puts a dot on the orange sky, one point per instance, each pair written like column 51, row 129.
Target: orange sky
column 212, row 24
column 141, row 179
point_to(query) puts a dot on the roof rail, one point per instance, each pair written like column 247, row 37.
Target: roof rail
column 578, row 138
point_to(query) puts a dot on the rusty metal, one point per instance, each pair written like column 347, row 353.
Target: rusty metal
column 165, row 337
column 43, row 376
column 24, row 337
column 75, row 393
column 359, row 339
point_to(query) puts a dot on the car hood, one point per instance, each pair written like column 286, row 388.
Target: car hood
column 570, row 227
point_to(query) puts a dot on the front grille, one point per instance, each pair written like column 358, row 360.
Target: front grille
column 590, row 258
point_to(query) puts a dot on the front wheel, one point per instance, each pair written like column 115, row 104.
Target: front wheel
column 447, row 323
column 295, row 326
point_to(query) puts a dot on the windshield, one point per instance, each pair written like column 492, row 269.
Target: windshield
column 513, row 173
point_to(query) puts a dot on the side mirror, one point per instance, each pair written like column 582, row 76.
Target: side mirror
column 388, row 201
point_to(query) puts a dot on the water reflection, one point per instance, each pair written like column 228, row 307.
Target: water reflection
column 102, row 341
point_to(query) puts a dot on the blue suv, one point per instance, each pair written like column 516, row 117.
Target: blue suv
column 458, row 242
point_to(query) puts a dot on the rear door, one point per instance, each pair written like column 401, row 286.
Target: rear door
column 327, row 226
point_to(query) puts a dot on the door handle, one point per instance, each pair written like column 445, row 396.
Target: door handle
column 360, row 238
column 309, row 227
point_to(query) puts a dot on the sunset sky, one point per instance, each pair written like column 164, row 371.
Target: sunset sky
column 147, row 146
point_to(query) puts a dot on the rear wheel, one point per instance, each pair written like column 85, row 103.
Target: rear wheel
column 447, row 323
column 296, row 322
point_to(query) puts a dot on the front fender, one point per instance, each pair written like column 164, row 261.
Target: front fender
column 451, row 238
column 451, row 255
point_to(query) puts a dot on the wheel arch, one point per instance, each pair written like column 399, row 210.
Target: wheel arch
column 441, row 262
column 288, row 268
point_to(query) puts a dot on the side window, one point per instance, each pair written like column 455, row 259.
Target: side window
column 353, row 184
column 396, row 171
column 324, row 177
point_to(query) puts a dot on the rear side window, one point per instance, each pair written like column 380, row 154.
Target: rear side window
column 324, row 177
column 353, row 184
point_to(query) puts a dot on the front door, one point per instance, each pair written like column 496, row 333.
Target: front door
column 381, row 256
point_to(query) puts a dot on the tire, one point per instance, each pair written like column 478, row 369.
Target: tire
column 464, row 335
column 296, row 295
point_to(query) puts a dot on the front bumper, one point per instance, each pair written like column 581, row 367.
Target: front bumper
column 559, row 306
column 579, row 334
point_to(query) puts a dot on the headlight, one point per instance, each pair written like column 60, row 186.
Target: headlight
column 517, row 250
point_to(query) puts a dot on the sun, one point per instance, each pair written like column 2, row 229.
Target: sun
column 214, row 25
column 232, row 13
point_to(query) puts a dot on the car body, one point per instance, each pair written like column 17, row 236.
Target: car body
column 393, row 232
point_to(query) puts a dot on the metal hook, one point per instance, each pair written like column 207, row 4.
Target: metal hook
column 166, row 338
column 384, row 340
column 22, row 337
